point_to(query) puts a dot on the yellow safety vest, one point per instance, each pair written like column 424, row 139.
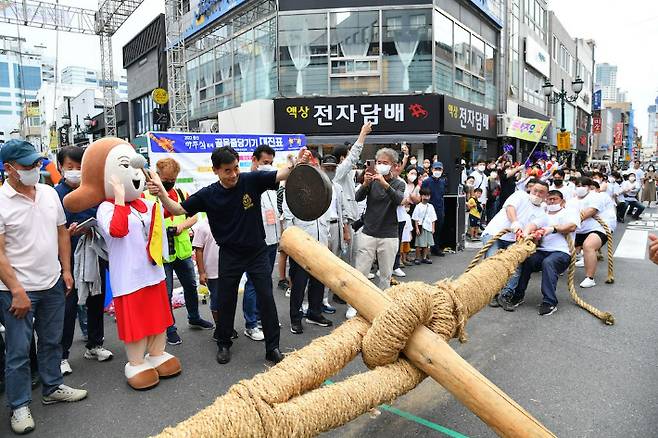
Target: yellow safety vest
column 182, row 242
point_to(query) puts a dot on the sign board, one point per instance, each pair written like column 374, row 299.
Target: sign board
column 346, row 115
column 32, row 111
column 596, row 124
column 527, row 129
column 537, row 57
column 465, row 118
column 160, row 96
column 596, row 98
column 160, row 117
column 491, row 8
column 563, row 141
column 192, row 151
column 619, row 134
column 209, row 11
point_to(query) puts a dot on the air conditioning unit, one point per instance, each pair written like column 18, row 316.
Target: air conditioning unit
column 502, row 122
column 209, row 126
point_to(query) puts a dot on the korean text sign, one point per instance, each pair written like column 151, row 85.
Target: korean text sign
column 465, row 118
column 527, row 129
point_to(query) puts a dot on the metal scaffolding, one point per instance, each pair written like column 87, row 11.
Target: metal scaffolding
column 176, row 72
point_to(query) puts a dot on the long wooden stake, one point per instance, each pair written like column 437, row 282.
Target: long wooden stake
column 427, row 350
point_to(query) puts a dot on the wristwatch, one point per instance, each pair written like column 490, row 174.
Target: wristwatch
column 554, row 230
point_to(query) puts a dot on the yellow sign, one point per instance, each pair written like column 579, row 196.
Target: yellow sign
column 160, row 96
column 527, row 129
column 564, row 141
column 32, row 111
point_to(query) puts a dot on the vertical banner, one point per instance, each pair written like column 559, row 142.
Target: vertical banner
column 193, row 150
column 563, row 141
column 596, row 124
column 619, row 134
column 596, row 98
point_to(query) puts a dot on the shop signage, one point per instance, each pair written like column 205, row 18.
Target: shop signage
column 596, row 98
column 563, row 141
column 537, row 57
column 300, row 5
column 527, row 129
column 33, row 111
column 160, row 96
column 619, row 134
column 208, row 11
column 491, row 8
column 596, row 124
column 345, row 115
column 464, row 118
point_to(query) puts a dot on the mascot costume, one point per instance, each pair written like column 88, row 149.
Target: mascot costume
column 133, row 229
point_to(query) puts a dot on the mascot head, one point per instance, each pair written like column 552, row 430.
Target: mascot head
column 103, row 159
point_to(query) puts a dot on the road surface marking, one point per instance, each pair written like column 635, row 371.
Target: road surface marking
column 633, row 245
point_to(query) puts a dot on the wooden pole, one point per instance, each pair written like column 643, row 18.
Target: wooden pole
column 427, row 350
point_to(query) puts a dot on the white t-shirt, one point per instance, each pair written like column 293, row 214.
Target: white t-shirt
column 568, row 190
column 203, row 239
column 402, row 210
column 631, row 189
column 425, row 215
column 526, row 213
column 557, row 241
column 592, row 200
column 609, row 213
column 30, row 230
column 481, row 182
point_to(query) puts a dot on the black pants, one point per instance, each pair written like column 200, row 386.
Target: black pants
column 300, row 278
column 95, row 328
column 436, row 249
column 621, row 211
column 256, row 263
column 397, row 257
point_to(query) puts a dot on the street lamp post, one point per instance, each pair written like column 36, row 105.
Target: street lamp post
column 563, row 97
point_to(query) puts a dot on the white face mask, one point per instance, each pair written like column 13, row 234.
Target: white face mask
column 437, row 173
column 611, row 179
column 266, row 167
column 411, row 178
column 29, row 177
column 553, row 208
column 493, row 175
column 536, row 200
column 632, row 179
column 73, row 176
column 567, row 177
column 413, row 162
column 581, row 192
column 481, row 168
column 383, row 169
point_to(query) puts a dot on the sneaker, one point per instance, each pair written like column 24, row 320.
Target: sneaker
column 283, row 284
column 319, row 320
column 22, row 421
column 174, row 339
column 98, row 353
column 509, row 304
column 408, row 263
column 2, row 328
column 416, row 262
column 350, row 313
column 287, row 294
column 254, row 334
column 201, row 324
column 426, row 261
column 64, row 393
column 399, row 273
column 259, row 324
column 580, row 263
column 588, row 282
column 296, row 328
column 328, row 309
column 494, row 301
column 546, row 309
column 371, row 276
column 65, row 367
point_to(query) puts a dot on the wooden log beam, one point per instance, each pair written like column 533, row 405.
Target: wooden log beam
column 427, row 350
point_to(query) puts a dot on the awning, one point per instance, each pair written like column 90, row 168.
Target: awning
column 372, row 138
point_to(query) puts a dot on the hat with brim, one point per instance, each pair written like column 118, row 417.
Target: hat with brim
column 20, row 152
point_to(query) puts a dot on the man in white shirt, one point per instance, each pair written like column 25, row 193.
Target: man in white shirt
column 35, row 273
column 631, row 189
column 519, row 211
column 565, row 187
column 553, row 255
column 637, row 171
column 481, row 182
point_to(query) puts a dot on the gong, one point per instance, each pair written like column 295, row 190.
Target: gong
column 308, row 192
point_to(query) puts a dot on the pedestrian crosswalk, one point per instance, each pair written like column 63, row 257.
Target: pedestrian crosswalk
column 633, row 243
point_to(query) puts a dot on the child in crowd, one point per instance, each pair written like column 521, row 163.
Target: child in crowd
column 206, row 253
column 424, row 218
column 405, row 247
column 474, row 214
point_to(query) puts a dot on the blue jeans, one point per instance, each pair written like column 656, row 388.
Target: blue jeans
column 510, row 287
column 185, row 272
column 48, row 315
column 552, row 264
column 249, row 302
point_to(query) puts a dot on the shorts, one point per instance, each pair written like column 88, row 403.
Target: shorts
column 473, row 221
column 580, row 238
column 405, row 247
column 425, row 239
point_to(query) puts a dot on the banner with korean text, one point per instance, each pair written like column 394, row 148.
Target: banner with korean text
column 192, row 151
column 527, row 129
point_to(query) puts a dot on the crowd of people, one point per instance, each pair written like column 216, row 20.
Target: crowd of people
column 386, row 215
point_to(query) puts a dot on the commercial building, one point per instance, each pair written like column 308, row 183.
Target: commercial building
column 652, row 126
column 83, row 76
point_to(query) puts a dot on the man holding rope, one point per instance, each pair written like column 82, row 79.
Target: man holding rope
column 653, row 248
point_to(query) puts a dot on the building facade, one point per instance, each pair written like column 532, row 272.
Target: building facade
column 86, row 77
column 652, row 126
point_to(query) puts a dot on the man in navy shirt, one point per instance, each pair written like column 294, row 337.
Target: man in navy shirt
column 437, row 184
column 233, row 208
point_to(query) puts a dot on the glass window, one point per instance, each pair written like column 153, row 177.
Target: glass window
column 224, row 76
column 192, row 68
column 407, row 50
column 303, row 54
column 477, row 56
column 444, row 54
column 462, row 47
column 532, row 89
column 28, row 78
column 244, row 67
column 265, row 70
column 489, row 77
column 4, row 74
column 143, row 114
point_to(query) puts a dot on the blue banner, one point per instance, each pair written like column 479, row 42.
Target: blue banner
column 596, row 100
column 190, row 143
column 631, row 134
column 209, row 11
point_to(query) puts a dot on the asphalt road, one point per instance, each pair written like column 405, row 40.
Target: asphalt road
column 577, row 376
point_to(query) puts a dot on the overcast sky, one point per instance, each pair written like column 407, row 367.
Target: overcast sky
column 626, row 34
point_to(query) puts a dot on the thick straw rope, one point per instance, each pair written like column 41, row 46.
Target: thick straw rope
column 608, row 232
column 289, row 401
column 485, row 248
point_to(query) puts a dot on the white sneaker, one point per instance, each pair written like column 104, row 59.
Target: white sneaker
column 64, row 394
column 351, row 312
column 399, row 273
column 371, row 275
column 65, row 367
column 22, row 421
column 255, row 334
column 2, row 328
column 99, row 353
column 580, row 263
column 588, row 282
column 287, row 294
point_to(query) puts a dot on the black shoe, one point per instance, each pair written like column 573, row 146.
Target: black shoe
column 215, row 335
column 546, row 309
column 223, row 355
column 509, row 304
column 36, row 381
column 274, row 356
column 328, row 309
column 296, row 328
column 201, row 324
column 319, row 320
column 283, row 284
column 426, row 261
column 494, row 301
column 339, row 300
column 174, row 339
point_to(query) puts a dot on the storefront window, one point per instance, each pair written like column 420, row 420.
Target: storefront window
column 303, row 54
column 462, row 47
column 407, row 50
column 443, row 80
column 532, row 89
column 354, row 48
column 265, row 51
column 473, row 149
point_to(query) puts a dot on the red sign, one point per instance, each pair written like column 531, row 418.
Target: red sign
column 596, row 125
column 619, row 134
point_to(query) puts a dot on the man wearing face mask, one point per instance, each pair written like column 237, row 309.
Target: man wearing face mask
column 631, row 188
column 437, row 185
column 553, row 255
column 69, row 160
column 379, row 237
column 481, row 183
column 35, row 274
column 560, row 184
column 180, row 249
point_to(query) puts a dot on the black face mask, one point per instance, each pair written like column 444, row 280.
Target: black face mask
column 558, row 182
column 168, row 185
